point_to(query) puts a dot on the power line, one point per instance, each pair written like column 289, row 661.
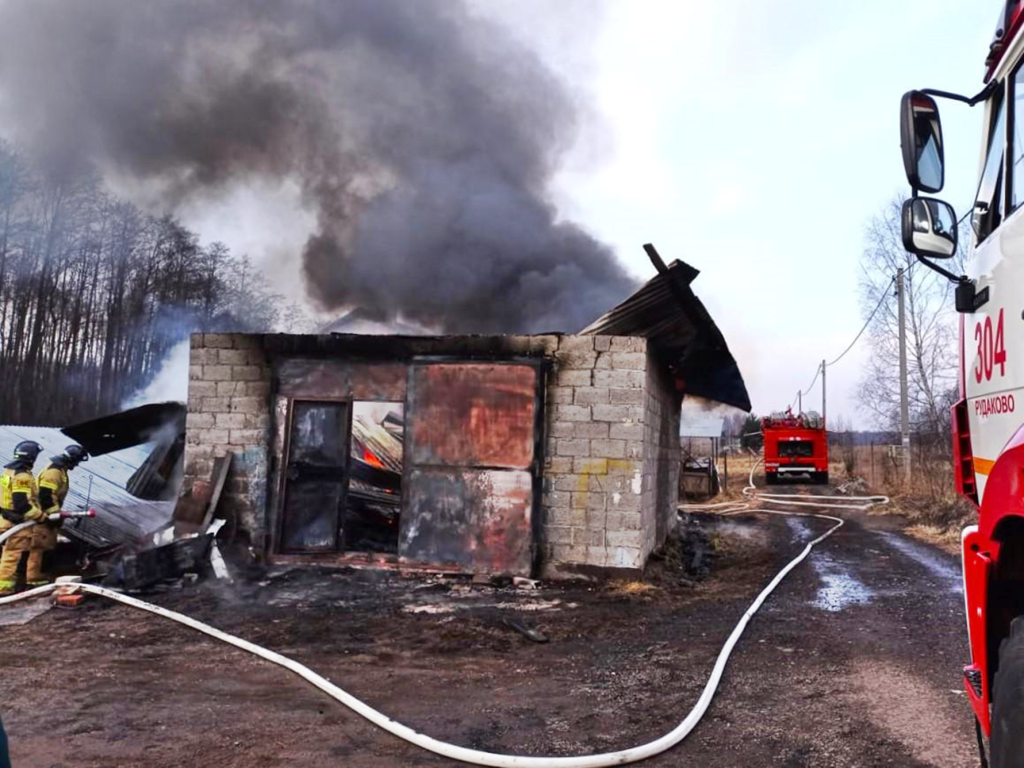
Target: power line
column 817, row 373
column 885, row 294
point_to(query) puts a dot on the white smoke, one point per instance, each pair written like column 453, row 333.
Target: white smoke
column 170, row 383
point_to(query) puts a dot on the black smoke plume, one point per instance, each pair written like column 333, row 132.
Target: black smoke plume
column 423, row 137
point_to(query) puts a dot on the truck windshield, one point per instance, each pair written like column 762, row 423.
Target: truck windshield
column 790, row 449
column 988, row 210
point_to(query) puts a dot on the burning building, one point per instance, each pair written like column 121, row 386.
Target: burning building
column 516, row 455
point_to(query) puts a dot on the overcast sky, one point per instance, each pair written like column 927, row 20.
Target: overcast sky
column 753, row 140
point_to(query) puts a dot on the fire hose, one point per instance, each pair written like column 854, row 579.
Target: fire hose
column 475, row 756
column 49, row 518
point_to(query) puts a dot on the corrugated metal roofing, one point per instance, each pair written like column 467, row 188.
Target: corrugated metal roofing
column 99, row 484
column 682, row 334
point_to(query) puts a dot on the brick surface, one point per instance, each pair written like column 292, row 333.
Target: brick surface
column 246, row 372
column 230, row 421
column 219, row 340
column 590, row 466
column 571, row 413
column 562, row 429
column 626, row 431
column 610, row 412
column 619, row 379
column 628, row 344
column 567, row 377
column 559, row 396
column 199, row 421
column 573, row 447
column 558, row 464
column 626, row 396
column 635, row 361
column 591, row 395
column 590, row 429
column 216, row 404
column 235, row 357
column 610, row 449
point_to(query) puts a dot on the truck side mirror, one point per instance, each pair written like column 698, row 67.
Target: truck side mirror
column 921, row 139
column 929, row 227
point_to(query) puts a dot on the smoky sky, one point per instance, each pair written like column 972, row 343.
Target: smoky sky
column 423, row 137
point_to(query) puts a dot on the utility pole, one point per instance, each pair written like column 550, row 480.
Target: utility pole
column 823, row 400
column 800, row 401
column 904, row 407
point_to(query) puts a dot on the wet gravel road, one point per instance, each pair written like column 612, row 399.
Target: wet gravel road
column 854, row 661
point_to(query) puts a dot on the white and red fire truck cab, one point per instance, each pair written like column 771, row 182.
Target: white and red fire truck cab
column 988, row 420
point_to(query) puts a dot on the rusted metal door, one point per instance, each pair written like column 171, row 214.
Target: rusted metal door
column 316, row 476
column 471, row 466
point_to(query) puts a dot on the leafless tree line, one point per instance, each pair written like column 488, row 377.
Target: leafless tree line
column 94, row 293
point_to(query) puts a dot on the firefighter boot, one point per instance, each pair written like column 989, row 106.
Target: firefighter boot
column 9, row 562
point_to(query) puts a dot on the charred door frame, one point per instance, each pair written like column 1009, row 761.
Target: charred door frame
column 282, row 481
column 536, row 470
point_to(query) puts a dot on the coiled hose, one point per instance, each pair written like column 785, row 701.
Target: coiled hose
column 453, row 751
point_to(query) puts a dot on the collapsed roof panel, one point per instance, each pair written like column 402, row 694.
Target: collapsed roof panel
column 666, row 311
column 128, row 428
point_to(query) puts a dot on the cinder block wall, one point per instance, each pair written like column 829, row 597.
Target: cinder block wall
column 229, row 410
column 606, row 473
column 661, row 457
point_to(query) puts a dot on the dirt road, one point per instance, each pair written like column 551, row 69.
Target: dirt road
column 853, row 662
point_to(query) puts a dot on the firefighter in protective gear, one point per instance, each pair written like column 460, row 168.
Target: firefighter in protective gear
column 19, row 503
column 53, row 489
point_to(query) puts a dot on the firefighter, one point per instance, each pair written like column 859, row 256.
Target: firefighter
column 53, row 489
column 19, row 503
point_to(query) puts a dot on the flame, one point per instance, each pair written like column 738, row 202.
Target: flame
column 372, row 459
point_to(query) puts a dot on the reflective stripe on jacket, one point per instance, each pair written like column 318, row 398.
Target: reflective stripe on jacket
column 55, row 479
column 15, row 481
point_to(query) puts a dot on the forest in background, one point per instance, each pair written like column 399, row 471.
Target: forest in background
column 95, row 293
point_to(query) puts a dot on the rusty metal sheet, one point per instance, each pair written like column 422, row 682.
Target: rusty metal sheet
column 476, row 520
column 472, row 414
column 312, row 378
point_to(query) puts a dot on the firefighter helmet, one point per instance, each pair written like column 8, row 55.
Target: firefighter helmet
column 75, row 455
column 27, row 449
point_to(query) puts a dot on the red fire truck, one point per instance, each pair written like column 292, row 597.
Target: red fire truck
column 795, row 446
column 988, row 432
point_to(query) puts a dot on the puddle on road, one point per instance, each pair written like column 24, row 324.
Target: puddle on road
column 840, row 589
column 799, row 528
column 933, row 561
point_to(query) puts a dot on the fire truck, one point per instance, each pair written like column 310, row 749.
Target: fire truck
column 794, row 446
column 988, row 431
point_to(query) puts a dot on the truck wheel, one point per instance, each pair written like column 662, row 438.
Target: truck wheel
column 1008, row 701
column 823, row 478
column 770, row 479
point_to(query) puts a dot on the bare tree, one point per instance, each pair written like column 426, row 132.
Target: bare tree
column 94, row 294
column 930, row 327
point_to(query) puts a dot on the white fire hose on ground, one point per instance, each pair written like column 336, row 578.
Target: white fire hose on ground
column 475, row 756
